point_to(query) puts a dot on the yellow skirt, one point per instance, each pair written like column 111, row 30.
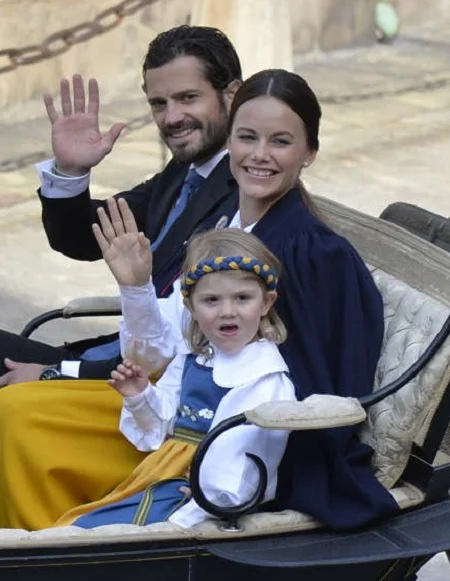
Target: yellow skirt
column 60, row 447
column 172, row 460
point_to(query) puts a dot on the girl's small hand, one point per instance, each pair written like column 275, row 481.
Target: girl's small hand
column 125, row 250
column 128, row 379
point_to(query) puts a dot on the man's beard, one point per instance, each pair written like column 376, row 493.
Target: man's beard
column 213, row 138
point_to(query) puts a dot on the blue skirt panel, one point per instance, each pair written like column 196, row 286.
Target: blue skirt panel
column 155, row 504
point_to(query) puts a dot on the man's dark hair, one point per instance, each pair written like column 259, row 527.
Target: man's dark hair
column 210, row 45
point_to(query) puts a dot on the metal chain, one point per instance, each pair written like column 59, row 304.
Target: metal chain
column 61, row 41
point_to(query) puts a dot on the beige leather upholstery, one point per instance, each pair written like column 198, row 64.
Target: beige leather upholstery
column 412, row 320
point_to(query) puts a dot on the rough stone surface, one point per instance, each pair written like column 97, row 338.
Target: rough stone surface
column 346, row 23
column 417, row 11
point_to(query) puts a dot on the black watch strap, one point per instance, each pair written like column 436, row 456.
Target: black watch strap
column 51, row 372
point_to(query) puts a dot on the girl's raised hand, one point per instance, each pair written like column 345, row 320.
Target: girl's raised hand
column 128, row 379
column 126, row 251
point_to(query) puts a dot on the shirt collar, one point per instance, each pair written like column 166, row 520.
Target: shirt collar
column 206, row 168
column 239, row 369
column 236, row 223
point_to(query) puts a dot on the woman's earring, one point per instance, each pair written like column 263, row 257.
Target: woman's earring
column 306, row 164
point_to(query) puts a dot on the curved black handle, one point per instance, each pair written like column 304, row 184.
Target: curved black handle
column 230, row 513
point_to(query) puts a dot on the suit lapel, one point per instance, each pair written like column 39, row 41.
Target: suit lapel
column 218, row 186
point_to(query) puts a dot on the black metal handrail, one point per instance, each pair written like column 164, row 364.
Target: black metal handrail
column 231, row 514
column 412, row 371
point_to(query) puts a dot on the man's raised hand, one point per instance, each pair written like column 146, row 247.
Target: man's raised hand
column 77, row 142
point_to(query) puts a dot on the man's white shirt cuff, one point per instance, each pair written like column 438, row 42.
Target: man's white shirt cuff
column 56, row 186
column 70, row 368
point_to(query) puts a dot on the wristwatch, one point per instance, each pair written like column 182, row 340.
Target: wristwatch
column 51, row 372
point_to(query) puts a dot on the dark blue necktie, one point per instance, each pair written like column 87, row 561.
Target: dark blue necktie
column 192, row 182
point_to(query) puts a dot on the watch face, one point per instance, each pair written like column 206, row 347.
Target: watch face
column 50, row 373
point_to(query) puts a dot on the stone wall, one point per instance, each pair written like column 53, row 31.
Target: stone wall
column 417, row 11
column 114, row 57
column 261, row 30
column 327, row 25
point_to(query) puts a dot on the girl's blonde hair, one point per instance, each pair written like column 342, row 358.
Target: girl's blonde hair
column 231, row 242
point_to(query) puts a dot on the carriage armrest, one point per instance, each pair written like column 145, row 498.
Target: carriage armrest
column 81, row 307
column 92, row 305
column 317, row 411
column 320, row 411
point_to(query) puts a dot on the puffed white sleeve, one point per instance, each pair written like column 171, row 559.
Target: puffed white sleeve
column 228, row 477
column 148, row 418
column 151, row 329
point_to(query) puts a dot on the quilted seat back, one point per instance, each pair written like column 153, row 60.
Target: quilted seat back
column 413, row 277
column 412, row 320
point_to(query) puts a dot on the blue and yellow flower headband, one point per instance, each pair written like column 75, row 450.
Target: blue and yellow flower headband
column 261, row 269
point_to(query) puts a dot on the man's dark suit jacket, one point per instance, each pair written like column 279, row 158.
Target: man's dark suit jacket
column 68, row 224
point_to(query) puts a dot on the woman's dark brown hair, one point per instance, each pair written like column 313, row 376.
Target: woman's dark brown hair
column 294, row 92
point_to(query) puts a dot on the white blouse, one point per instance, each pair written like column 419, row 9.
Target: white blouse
column 151, row 329
column 255, row 375
column 151, row 333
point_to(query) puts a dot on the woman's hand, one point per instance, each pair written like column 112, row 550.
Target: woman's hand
column 128, row 379
column 126, row 251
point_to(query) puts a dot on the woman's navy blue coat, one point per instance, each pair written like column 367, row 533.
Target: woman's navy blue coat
column 334, row 317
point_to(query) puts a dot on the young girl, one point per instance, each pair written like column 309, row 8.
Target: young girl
column 229, row 363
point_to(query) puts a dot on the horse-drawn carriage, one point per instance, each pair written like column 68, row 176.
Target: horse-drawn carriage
column 405, row 420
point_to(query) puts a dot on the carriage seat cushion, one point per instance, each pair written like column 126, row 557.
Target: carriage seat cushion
column 252, row 525
column 412, row 319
